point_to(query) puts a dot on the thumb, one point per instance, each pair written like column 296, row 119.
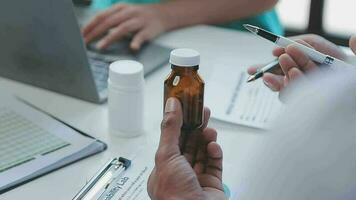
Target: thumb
column 170, row 129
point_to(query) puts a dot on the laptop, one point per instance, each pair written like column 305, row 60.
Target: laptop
column 41, row 44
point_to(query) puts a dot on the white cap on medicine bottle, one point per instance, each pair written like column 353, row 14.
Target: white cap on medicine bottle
column 126, row 74
column 185, row 58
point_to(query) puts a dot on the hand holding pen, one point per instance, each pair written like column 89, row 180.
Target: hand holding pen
column 294, row 62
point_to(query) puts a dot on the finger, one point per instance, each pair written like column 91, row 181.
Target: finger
column 151, row 181
column 191, row 139
column 206, row 117
column 300, row 59
column 140, row 38
column 285, row 82
column 252, row 70
column 321, row 44
column 278, row 51
column 295, row 74
column 353, row 44
column 190, row 145
column 274, row 82
column 215, row 160
column 208, row 135
column 119, row 32
column 286, row 62
column 107, row 24
column 184, row 136
column 277, row 71
column 304, row 43
column 101, row 17
column 170, row 130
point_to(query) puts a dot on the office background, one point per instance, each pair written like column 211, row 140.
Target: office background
column 237, row 141
column 332, row 19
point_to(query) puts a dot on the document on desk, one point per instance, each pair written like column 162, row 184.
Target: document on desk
column 133, row 183
column 234, row 100
column 33, row 143
column 119, row 179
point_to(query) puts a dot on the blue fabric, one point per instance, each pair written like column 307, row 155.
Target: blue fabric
column 103, row 4
column 227, row 191
column 268, row 20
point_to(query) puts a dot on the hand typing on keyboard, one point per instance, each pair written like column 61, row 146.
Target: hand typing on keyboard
column 121, row 20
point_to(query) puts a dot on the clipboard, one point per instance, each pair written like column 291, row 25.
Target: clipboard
column 106, row 182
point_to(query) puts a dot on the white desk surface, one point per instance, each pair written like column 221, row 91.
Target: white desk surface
column 237, row 141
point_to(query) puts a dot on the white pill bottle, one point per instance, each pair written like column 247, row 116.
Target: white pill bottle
column 126, row 98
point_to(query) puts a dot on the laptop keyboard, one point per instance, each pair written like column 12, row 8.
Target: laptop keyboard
column 100, row 60
column 100, row 69
column 151, row 55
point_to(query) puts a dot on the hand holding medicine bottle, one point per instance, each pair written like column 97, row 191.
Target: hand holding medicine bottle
column 174, row 176
column 185, row 84
column 187, row 167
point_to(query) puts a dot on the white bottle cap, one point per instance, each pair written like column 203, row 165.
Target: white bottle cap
column 126, row 74
column 185, row 58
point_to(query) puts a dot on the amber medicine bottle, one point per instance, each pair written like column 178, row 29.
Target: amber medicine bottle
column 185, row 84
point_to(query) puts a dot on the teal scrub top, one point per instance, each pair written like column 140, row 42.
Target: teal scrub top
column 268, row 20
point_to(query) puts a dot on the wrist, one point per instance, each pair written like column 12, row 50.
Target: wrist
column 162, row 11
column 173, row 194
column 174, row 15
column 183, row 197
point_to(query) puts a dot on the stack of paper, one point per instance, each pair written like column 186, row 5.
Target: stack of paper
column 234, row 100
column 33, row 143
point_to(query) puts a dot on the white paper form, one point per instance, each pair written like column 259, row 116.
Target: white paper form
column 31, row 141
column 134, row 181
column 233, row 100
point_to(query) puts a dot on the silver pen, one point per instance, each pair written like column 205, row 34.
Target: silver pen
column 270, row 67
column 281, row 41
